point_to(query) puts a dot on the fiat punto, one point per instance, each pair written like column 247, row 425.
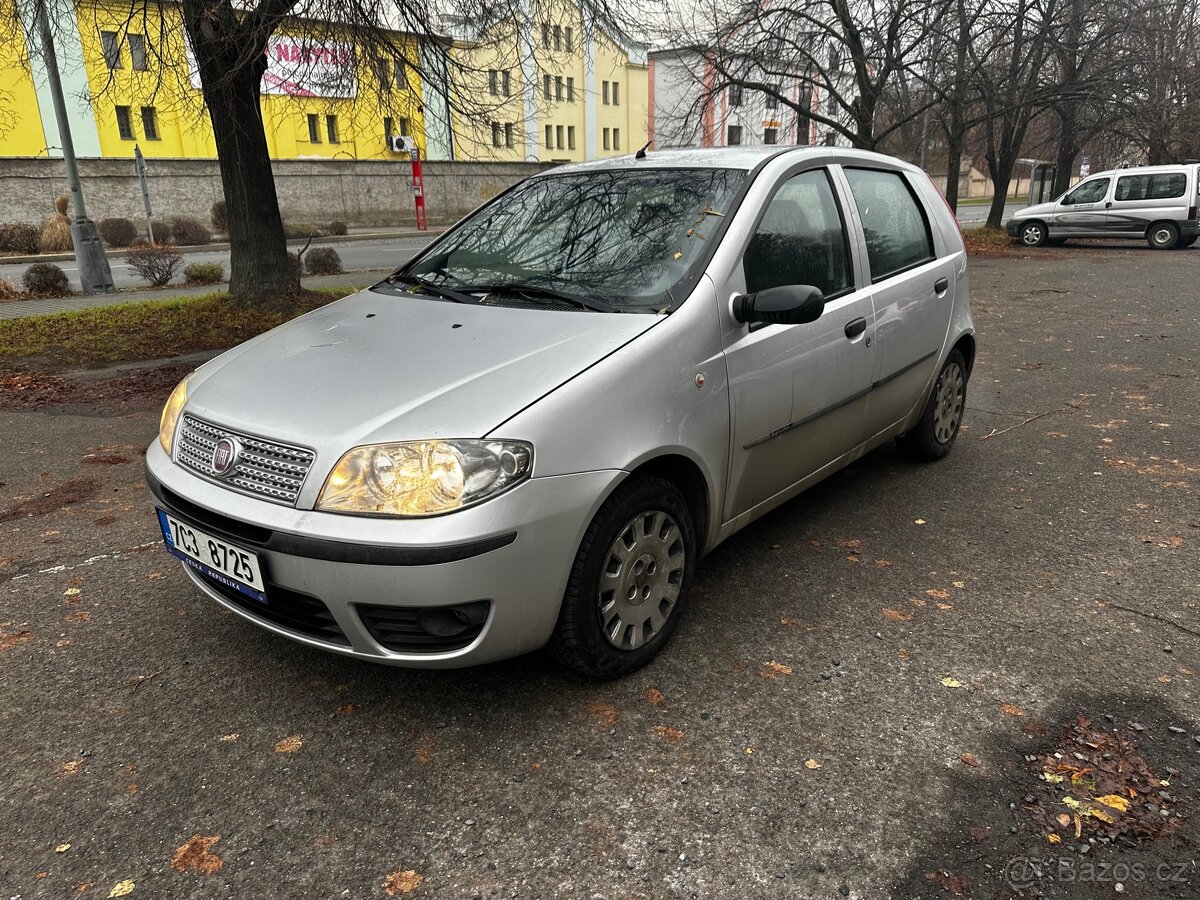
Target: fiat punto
column 530, row 433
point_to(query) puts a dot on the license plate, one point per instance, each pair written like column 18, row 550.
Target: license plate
column 219, row 560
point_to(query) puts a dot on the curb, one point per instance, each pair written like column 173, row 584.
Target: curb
column 111, row 252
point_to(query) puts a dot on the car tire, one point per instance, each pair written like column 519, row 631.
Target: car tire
column 613, row 595
column 941, row 419
column 1162, row 236
column 1033, row 234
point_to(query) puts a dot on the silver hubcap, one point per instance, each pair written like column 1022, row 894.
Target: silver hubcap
column 948, row 404
column 1162, row 236
column 1032, row 234
column 642, row 575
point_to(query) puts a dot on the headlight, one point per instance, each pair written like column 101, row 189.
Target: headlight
column 423, row 478
column 170, row 415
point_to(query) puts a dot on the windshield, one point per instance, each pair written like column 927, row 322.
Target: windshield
column 623, row 238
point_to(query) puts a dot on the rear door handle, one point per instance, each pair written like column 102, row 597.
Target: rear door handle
column 855, row 328
column 939, row 286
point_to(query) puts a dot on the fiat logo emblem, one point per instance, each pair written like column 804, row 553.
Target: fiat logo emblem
column 225, row 455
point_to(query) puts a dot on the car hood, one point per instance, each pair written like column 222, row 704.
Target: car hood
column 1038, row 209
column 379, row 367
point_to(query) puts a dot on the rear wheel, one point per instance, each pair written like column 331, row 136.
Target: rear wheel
column 1033, row 234
column 934, row 434
column 629, row 581
column 1162, row 236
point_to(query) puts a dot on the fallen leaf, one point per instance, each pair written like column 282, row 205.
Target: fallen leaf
column 853, row 557
column 11, row 640
column 1051, row 778
column 896, row 616
column 122, row 889
column 951, row 682
column 72, row 767
column 81, row 616
column 402, row 882
column 655, row 696
column 1184, row 670
column 62, row 848
column 1070, row 801
column 970, row 759
column 72, row 592
column 774, row 546
column 666, row 732
column 226, row 738
column 945, row 606
column 195, row 855
column 814, row 542
column 1011, row 710
column 903, row 653
column 883, row 563
column 771, row 669
column 289, row 744
column 850, row 545
column 811, row 764
column 1054, row 838
column 749, row 751
column 1063, row 819
column 788, row 620
column 918, row 521
column 606, row 714
column 348, row 709
column 1100, row 814
column 959, row 584
column 949, row 882
column 1116, row 801
column 938, row 594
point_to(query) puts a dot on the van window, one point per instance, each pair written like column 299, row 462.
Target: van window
column 894, row 223
column 1089, row 192
column 1158, row 186
column 800, row 239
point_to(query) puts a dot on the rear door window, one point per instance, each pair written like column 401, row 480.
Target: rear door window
column 893, row 221
column 1157, row 186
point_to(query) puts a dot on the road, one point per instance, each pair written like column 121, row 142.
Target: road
column 373, row 254
column 974, row 216
column 864, row 698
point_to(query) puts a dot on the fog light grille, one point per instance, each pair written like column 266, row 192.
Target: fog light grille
column 429, row 629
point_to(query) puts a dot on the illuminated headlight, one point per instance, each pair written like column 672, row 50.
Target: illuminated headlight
column 423, row 478
column 170, row 415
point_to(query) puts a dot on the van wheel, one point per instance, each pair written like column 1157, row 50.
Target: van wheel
column 934, row 434
column 1162, row 236
column 629, row 581
column 1033, row 234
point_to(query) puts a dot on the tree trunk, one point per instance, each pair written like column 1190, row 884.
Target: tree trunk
column 954, row 148
column 258, row 263
column 1067, row 149
column 1000, row 167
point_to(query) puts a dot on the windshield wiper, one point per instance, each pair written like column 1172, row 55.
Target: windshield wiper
column 522, row 287
column 456, row 296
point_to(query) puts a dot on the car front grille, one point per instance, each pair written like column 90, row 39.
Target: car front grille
column 264, row 468
column 288, row 609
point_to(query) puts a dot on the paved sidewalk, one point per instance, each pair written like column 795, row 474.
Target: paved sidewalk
column 19, row 309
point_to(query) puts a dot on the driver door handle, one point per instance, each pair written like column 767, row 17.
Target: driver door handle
column 855, row 328
column 939, row 286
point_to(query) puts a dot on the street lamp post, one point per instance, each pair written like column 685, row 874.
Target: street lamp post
column 94, row 274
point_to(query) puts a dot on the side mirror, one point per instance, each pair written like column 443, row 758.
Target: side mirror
column 791, row 304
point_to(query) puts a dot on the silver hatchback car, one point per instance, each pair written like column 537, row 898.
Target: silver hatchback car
column 531, row 432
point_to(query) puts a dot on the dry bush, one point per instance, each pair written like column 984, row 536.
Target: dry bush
column 188, row 232
column 46, row 279
column 8, row 290
column 156, row 263
column 204, row 273
column 56, row 235
column 117, row 232
column 19, row 238
column 220, row 218
column 323, row 261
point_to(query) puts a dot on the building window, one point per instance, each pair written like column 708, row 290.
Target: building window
column 546, row 35
column 558, row 136
column 604, row 91
column 331, row 129
column 124, row 123
column 506, row 83
column 558, row 88
column 493, row 79
column 398, row 73
column 546, row 87
column 570, row 137
column 495, row 134
column 735, row 95
column 570, row 90
column 405, row 125
column 549, row 137
column 570, row 40
column 772, row 100
column 388, row 128
column 508, row 135
column 616, row 92
column 149, row 123
column 137, row 52
column 616, row 138
column 112, row 49
column 733, row 136
column 314, row 128
column 607, row 140
column 557, row 37
column 770, row 135
column 379, row 64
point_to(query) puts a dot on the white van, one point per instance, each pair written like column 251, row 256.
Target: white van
column 1158, row 203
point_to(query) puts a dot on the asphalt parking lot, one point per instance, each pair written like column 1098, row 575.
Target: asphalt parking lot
column 865, row 699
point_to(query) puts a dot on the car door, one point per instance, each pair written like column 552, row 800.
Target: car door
column 912, row 291
column 1081, row 211
column 797, row 392
column 1143, row 198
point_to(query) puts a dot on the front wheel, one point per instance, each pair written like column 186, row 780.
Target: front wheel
column 1033, row 234
column 934, row 434
column 1162, row 236
column 629, row 581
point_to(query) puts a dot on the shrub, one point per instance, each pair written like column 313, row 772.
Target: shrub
column 8, row 290
column 188, row 232
column 204, row 273
column 19, row 237
column 117, row 232
column 219, row 217
column 47, row 279
column 156, row 263
column 336, row 228
column 323, row 261
column 300, row 230
column 56, row 235
column 162, row 231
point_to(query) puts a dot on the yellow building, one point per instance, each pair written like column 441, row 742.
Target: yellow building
column 560, row 84
column 320, row 99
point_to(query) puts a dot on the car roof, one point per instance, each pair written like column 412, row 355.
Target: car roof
column 1142, row 170
column 722, row 158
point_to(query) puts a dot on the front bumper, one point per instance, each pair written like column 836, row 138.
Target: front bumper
column 331, row 573
column 1013, row 227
